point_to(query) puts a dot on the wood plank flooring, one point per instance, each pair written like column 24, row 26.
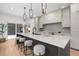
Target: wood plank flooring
column 74, row 52
column 9, row 48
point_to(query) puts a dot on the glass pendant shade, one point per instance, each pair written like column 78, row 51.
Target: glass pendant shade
column 31, row 12
column 24, row 16
column 44, row 7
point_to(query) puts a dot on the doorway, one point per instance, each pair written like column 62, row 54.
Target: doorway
column 11, row 29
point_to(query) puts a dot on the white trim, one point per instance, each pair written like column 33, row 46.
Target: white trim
column 11, row 36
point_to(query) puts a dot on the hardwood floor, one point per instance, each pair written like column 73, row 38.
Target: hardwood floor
column 74, row 52
column 9, row 48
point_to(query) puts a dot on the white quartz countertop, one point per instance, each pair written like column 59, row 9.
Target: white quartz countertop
column 56, row 40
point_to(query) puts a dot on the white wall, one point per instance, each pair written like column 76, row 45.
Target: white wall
column 7, row 18
column 75, row 26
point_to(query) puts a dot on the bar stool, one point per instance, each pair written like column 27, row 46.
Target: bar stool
column 27, row 45
column 21, row 43
column 17, row 39
column 39, row 50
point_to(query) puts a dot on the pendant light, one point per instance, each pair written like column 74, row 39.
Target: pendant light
column 44, row 7
column 24, row 15
column 31, row 11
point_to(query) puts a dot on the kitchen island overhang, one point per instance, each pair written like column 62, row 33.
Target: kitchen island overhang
column 56, row 45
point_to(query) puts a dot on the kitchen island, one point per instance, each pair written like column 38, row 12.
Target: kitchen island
column 56, row 45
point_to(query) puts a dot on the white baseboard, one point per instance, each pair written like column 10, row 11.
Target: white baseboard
column 11, row 36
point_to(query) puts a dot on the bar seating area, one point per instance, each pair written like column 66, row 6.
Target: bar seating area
column 27, row 48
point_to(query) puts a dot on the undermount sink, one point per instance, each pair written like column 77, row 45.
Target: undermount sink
column 36, row 33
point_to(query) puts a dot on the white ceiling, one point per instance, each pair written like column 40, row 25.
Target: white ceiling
column 17, row 8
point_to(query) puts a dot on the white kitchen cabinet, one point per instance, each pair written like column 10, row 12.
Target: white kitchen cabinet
column 62, row 15
column 52, row 17
column 66, row 17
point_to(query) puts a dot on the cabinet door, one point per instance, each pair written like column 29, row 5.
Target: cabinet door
column 52, row 17
column 66, row 17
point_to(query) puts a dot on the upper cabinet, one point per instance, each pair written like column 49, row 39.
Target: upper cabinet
column 52, row 17
column 66, row 16
column 62, row 15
